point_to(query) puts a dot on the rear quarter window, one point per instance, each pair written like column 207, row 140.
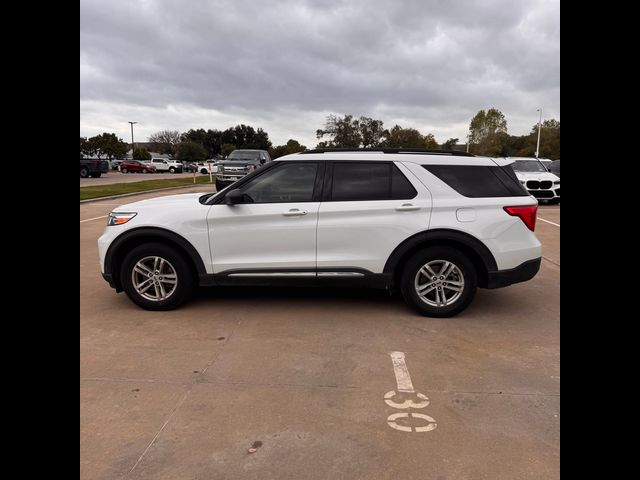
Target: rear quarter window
column 478, row 181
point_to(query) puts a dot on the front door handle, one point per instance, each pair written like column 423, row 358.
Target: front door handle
column 294, row 212
column 408, row 207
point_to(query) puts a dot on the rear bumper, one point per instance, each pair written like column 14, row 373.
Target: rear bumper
column 523, row 272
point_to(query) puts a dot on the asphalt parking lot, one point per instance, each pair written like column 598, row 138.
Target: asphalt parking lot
column 302, row 376
column 115, row 176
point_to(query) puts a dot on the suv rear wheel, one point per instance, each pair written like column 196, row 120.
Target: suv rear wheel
column 156, row 277
column 172, row 170
column 439, row 282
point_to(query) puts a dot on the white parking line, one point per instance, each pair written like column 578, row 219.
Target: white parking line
column 556, row 224
column 94, row 218
column 402, row 372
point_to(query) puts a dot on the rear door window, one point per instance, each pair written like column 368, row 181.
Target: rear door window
column 361, row 181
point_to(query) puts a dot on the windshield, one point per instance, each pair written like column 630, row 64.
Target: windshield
column 528, row 166
column 240, row 155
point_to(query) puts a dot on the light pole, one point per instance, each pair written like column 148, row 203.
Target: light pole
column 133, row 146
column 539, row 123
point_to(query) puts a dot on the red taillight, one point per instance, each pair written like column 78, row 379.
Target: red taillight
column 527, row 214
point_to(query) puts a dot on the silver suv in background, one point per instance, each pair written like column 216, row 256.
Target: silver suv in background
column 238, row 164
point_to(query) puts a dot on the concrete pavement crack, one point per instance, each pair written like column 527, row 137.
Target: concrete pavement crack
column 183, row 398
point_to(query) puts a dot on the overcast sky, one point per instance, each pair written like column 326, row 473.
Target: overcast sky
column 283, row 65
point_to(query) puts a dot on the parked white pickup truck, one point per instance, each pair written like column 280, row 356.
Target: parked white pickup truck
column 165, row 165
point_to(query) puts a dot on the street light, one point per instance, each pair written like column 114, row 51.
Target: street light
column 539, row 122
column 133, row 146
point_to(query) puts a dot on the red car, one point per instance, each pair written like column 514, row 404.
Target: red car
column 136, row 166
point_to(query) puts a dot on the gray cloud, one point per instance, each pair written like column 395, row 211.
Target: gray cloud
column 283, row 65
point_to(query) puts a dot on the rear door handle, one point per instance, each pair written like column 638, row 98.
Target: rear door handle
column 294, row 212
column 408, row 207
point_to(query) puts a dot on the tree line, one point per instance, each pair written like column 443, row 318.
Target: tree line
column 487, row 135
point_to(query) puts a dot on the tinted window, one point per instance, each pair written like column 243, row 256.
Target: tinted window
column 369, row 181
column 243, row 155
column 401, row 188
column 289, row 182
column 479, row 181
column 555, row 167
column 528, row 166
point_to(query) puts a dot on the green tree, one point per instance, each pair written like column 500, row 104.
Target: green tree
column 226, row 149
column 430, row 141
column 292, row 146
column 483, row 132
column 448, row 145
column 141, row 154
column 372, row 132
column 245, row 136
column 190, row 152
column 342, row 132
column 105, row 144
column 399, row 137
column 549, row 141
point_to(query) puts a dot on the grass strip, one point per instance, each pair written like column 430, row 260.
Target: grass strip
column 97, row 191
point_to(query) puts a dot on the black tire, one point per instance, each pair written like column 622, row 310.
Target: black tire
column 124, row 170
column 144, row 170
column 96, row 174
column 184, row 272
column 435, row 254
column 172, row 170
column 84, row 172
column 204, row 171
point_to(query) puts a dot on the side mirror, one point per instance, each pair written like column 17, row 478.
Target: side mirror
column 233, row 197
column 262, row 160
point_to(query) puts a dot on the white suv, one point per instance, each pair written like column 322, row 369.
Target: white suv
column 165, row 165
column 435, row 225
column 537, row 179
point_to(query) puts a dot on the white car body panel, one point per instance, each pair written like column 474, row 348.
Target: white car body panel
column 364, row 234
column 260, row 236
column 182, row 214
column 484, row 219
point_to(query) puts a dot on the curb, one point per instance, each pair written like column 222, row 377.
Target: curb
column 97, row 199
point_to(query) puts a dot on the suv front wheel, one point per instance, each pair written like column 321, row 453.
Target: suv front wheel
column 156, row 277
column 439, row 282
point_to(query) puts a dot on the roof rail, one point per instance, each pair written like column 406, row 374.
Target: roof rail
column 423, row 151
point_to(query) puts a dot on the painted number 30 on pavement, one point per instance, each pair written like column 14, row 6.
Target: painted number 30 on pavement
column 425, row 423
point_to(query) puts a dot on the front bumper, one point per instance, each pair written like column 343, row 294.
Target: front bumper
column 109, row 279
column 523, row 272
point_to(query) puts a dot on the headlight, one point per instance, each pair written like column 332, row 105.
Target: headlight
column 251, row 168
column 119, row 218
column 220, row 168
column 557, row 182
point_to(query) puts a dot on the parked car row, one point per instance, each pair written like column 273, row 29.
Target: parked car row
column 154, row 165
